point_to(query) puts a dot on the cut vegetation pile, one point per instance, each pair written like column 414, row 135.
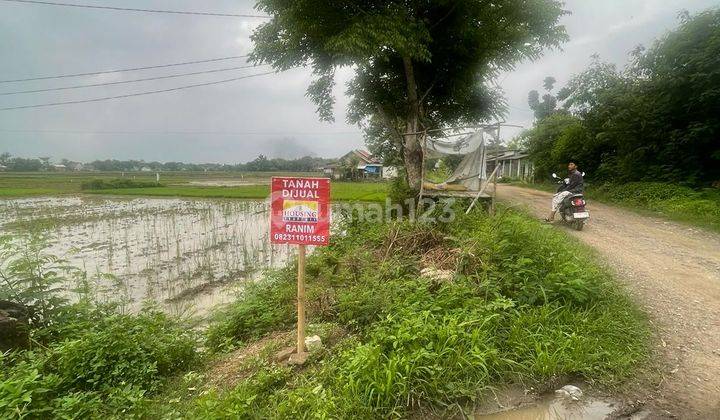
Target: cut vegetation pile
column 525, row 304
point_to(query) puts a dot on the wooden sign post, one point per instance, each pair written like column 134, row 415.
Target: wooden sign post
column 300, row 214
column 301, row 299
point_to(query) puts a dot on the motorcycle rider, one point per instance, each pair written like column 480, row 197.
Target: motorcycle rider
column 574, row 186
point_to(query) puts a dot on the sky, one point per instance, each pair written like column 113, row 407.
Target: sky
column 231, row 122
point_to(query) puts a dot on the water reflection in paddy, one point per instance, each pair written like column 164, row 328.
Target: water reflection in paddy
column 182, row 254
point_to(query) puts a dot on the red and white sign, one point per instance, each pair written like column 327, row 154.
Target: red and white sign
column 300, row 211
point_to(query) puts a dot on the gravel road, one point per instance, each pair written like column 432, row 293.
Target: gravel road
column 673, row 272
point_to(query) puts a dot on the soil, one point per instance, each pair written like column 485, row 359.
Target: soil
column 231, row 369
column 673, row 272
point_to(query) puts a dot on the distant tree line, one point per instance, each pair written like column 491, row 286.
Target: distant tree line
column 656, row 120
column 259, row 164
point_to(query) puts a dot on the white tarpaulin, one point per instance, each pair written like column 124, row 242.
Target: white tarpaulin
column 462, row 146
column 472, row 169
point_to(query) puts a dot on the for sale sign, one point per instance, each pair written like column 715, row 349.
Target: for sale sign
column 300, row 211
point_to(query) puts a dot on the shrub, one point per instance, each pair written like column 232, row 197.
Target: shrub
column 124, row 349
column 32, row 277
column 109, row 367
column 399, row 190
column 264, row 306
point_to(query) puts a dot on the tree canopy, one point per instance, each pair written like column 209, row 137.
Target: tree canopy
column 658, row 119
column 418, row 64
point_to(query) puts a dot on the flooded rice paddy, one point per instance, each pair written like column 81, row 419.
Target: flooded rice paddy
column 184, row 255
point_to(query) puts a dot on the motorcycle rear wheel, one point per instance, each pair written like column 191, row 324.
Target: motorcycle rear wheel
column 578, row 224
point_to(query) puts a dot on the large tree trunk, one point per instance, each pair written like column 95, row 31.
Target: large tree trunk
column 412, row 149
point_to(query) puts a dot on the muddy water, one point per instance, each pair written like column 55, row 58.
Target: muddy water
column 553, row 408
column 186, row 255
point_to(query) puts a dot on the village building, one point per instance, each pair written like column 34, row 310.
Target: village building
column 513, row 164
column 359, row 164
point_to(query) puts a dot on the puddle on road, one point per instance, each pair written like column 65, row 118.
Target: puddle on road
column 554, row 408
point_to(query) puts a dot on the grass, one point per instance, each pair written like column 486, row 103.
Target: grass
column 26, row 192
column 526, row 304
column 181, row 184
column 339, row 191
column 699, row 208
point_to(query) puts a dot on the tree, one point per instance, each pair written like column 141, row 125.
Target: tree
column 549, row 102
column 657, row 120
column 418, row 64
column 543, row 145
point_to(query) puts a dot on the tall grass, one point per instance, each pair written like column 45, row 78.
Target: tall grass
column 698, row 207
column 526, row 304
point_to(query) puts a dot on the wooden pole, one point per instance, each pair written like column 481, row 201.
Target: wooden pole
column 482, row 190
column 301, row 300
column 497, row 153
column 423, row 145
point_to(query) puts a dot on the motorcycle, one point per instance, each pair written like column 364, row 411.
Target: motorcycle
column 572, row 209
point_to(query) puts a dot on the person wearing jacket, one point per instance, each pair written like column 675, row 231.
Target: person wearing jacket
column 574, row 185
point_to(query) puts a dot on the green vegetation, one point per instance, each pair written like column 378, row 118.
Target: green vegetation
column 654, row 121
column 700, row 208
column 683, row 204
column 78, row 360
column 25, row 192
column 119, row 183
column 422, row 64
column 175, row 184
column 99, row 364
column 524, row 305
column 259, row 164
column 339, row 191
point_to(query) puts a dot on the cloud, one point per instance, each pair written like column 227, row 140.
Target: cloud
column 41, row 40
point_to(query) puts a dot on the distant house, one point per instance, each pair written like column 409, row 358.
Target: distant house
column 58, row 168
column 515, row 164
column 358, row 164
column 77, row 166
column 147, row 169
column 3, row 168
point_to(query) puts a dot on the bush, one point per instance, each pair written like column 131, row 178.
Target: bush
column 109, row 367
column 399, row 190
column 101, row 184
column 264, row 307
column 124, row 349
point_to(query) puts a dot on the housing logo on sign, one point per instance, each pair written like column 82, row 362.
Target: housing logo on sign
column 300, row 211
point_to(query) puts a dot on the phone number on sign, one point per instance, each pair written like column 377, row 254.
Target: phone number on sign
column 299, row 237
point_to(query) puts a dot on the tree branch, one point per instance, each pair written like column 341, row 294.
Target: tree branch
column 388, row 123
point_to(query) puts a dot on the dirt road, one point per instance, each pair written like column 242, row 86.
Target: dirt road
column 673, row 272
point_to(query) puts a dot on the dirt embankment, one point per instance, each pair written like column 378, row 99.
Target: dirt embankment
column 673, row 272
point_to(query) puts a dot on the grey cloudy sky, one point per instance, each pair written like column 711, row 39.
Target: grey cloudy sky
column 231, row 122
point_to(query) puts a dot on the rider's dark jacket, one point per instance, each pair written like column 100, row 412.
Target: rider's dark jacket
column 575, row 185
